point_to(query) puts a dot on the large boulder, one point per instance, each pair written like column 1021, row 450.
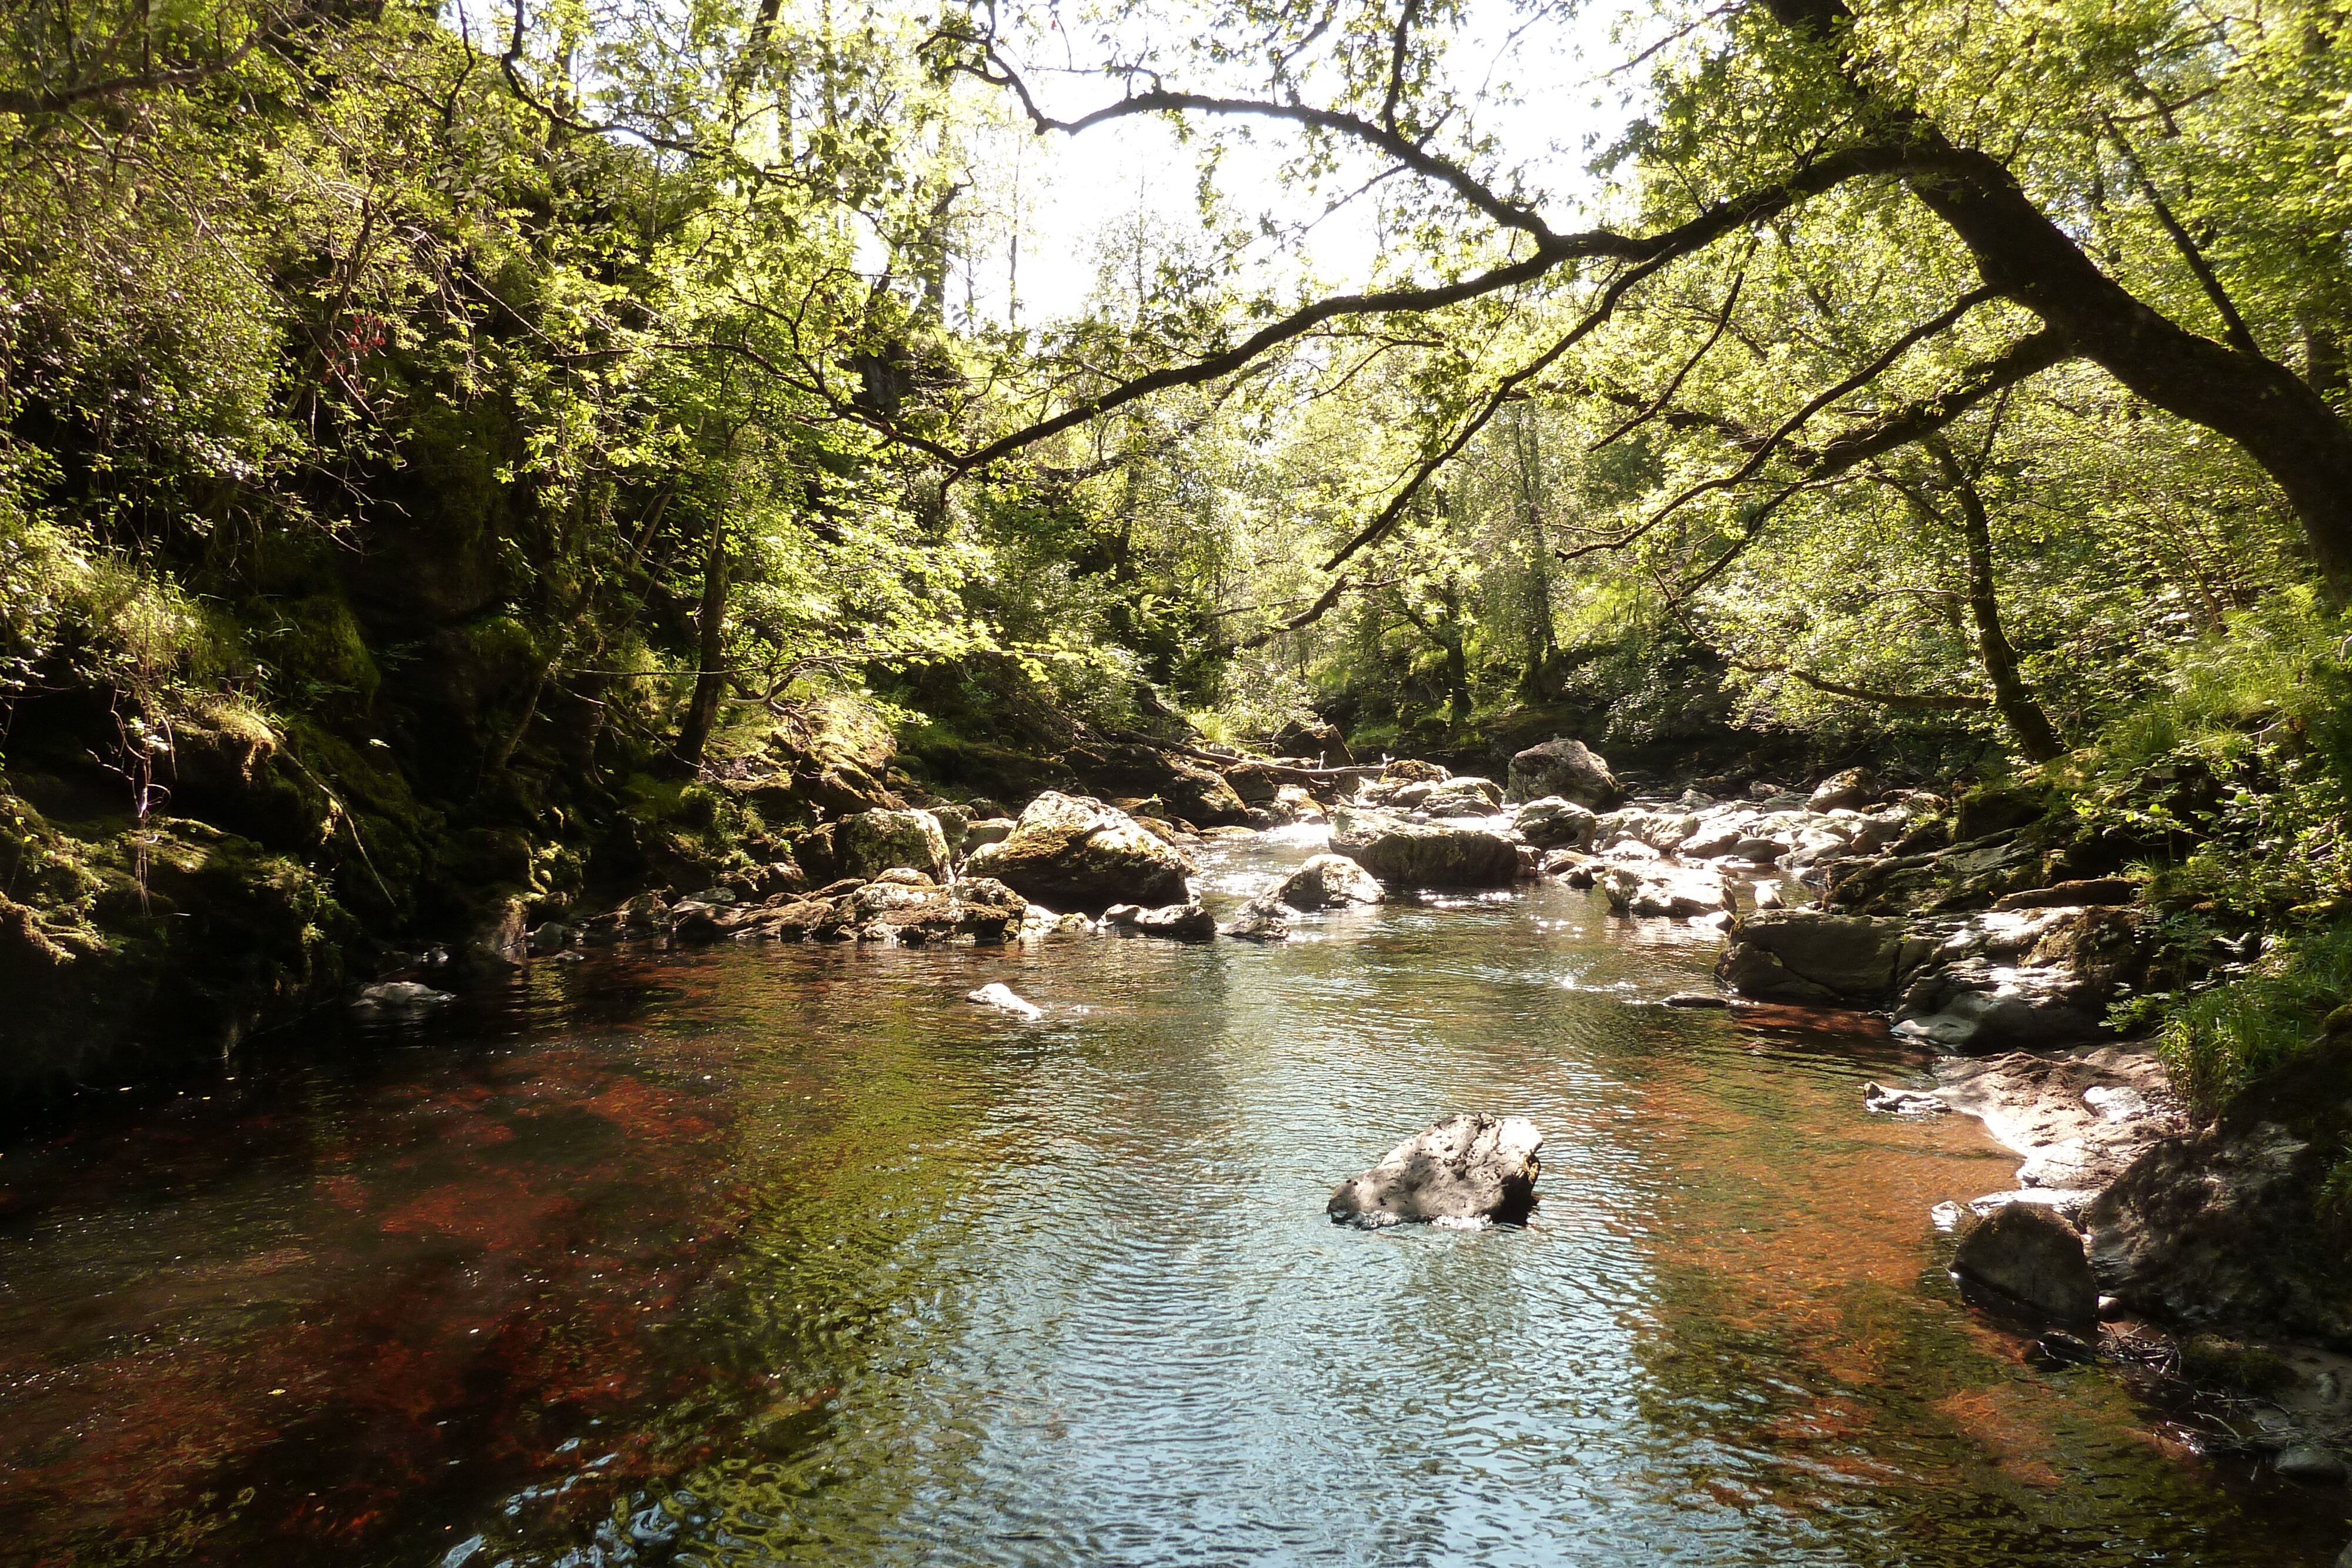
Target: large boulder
column 2243, row 1224
column 1805, row 955
column 1257, row 783
column 1191, row 789
column 1071, row 854
column 1327, row 882
column 1853, row 789
column 1553, row 823
column 1074, row 854
column 1315, row 739
column 1425, row 854
column 1465, row 1170
column 2029, row 1255
column 1567, row 769
column 870, row 842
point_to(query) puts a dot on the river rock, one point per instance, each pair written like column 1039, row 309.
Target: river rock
column 998, row 994
column 399, row 996
column 1327, row 882
column 1677, row 893
column 2029, row 1254
column 986, row 831
column 1425, row 854
column 1182, row 922
column 1465, row 1170
column 2227, row 1225
column 1302, row 738
column 1463, row 796
column 1887, row 1102
column 870, row 842
column 1806, row 955
column 1074, row 854
column 1854, row 788
column 1554, row 823
column 1262, row 920
column 1567, row 769
column 2307, row 1462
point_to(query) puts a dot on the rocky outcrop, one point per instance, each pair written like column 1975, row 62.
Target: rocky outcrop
column 1327, row 882
column 1188, row 787
column 2080, row 1117
column 1465, row 1170
column 1070, row 853
column 2029, row 1256
column 2248, row 1222
column 1567, row 769
column 1805, row 955
column 2034, row 978
column 1406, row 853
column 1973, row 984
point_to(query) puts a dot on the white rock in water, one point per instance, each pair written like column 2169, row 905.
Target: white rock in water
column 1889, row 1102
column 1466, row 1169
column 998, row 994
column 401, row 994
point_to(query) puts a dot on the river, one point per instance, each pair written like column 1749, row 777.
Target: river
column 749, row 1254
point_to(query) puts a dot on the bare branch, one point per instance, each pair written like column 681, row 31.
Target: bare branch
column 1764, row 449
column 2241, row 338
column 1650, row 411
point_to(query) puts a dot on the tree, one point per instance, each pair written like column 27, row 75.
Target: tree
column 1790, row 103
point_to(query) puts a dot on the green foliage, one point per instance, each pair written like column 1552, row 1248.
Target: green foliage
column 2219, row 1041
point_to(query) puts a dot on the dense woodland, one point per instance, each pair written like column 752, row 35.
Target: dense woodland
column 453, row 454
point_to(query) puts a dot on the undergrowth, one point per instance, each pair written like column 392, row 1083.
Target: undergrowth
column 2237, row 773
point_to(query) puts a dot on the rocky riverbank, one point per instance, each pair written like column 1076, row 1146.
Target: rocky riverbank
column 1985, row 927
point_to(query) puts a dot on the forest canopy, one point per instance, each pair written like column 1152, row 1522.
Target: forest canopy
column 499, row 398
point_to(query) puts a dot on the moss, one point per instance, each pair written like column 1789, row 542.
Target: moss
column 2227, row 1364
column 1997, row 808
column 319, row 653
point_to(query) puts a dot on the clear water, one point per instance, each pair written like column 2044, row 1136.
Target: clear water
column 757, row 1255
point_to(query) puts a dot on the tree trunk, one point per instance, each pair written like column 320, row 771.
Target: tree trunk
column 1543, row 638
column 1452, row 637
column 710, row 675
column 2012, row 697
column 2271, row 412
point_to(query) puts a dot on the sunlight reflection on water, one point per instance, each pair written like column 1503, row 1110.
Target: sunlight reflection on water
column 752, row 1255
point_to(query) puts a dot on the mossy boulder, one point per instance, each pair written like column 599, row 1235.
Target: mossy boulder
column 1076, row 855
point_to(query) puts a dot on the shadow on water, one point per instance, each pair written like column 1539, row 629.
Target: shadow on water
column 755, row 1256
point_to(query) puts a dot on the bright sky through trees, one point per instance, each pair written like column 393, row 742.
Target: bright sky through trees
column 1555, row 109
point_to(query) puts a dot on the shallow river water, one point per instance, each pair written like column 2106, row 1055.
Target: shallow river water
column 753, row 1255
